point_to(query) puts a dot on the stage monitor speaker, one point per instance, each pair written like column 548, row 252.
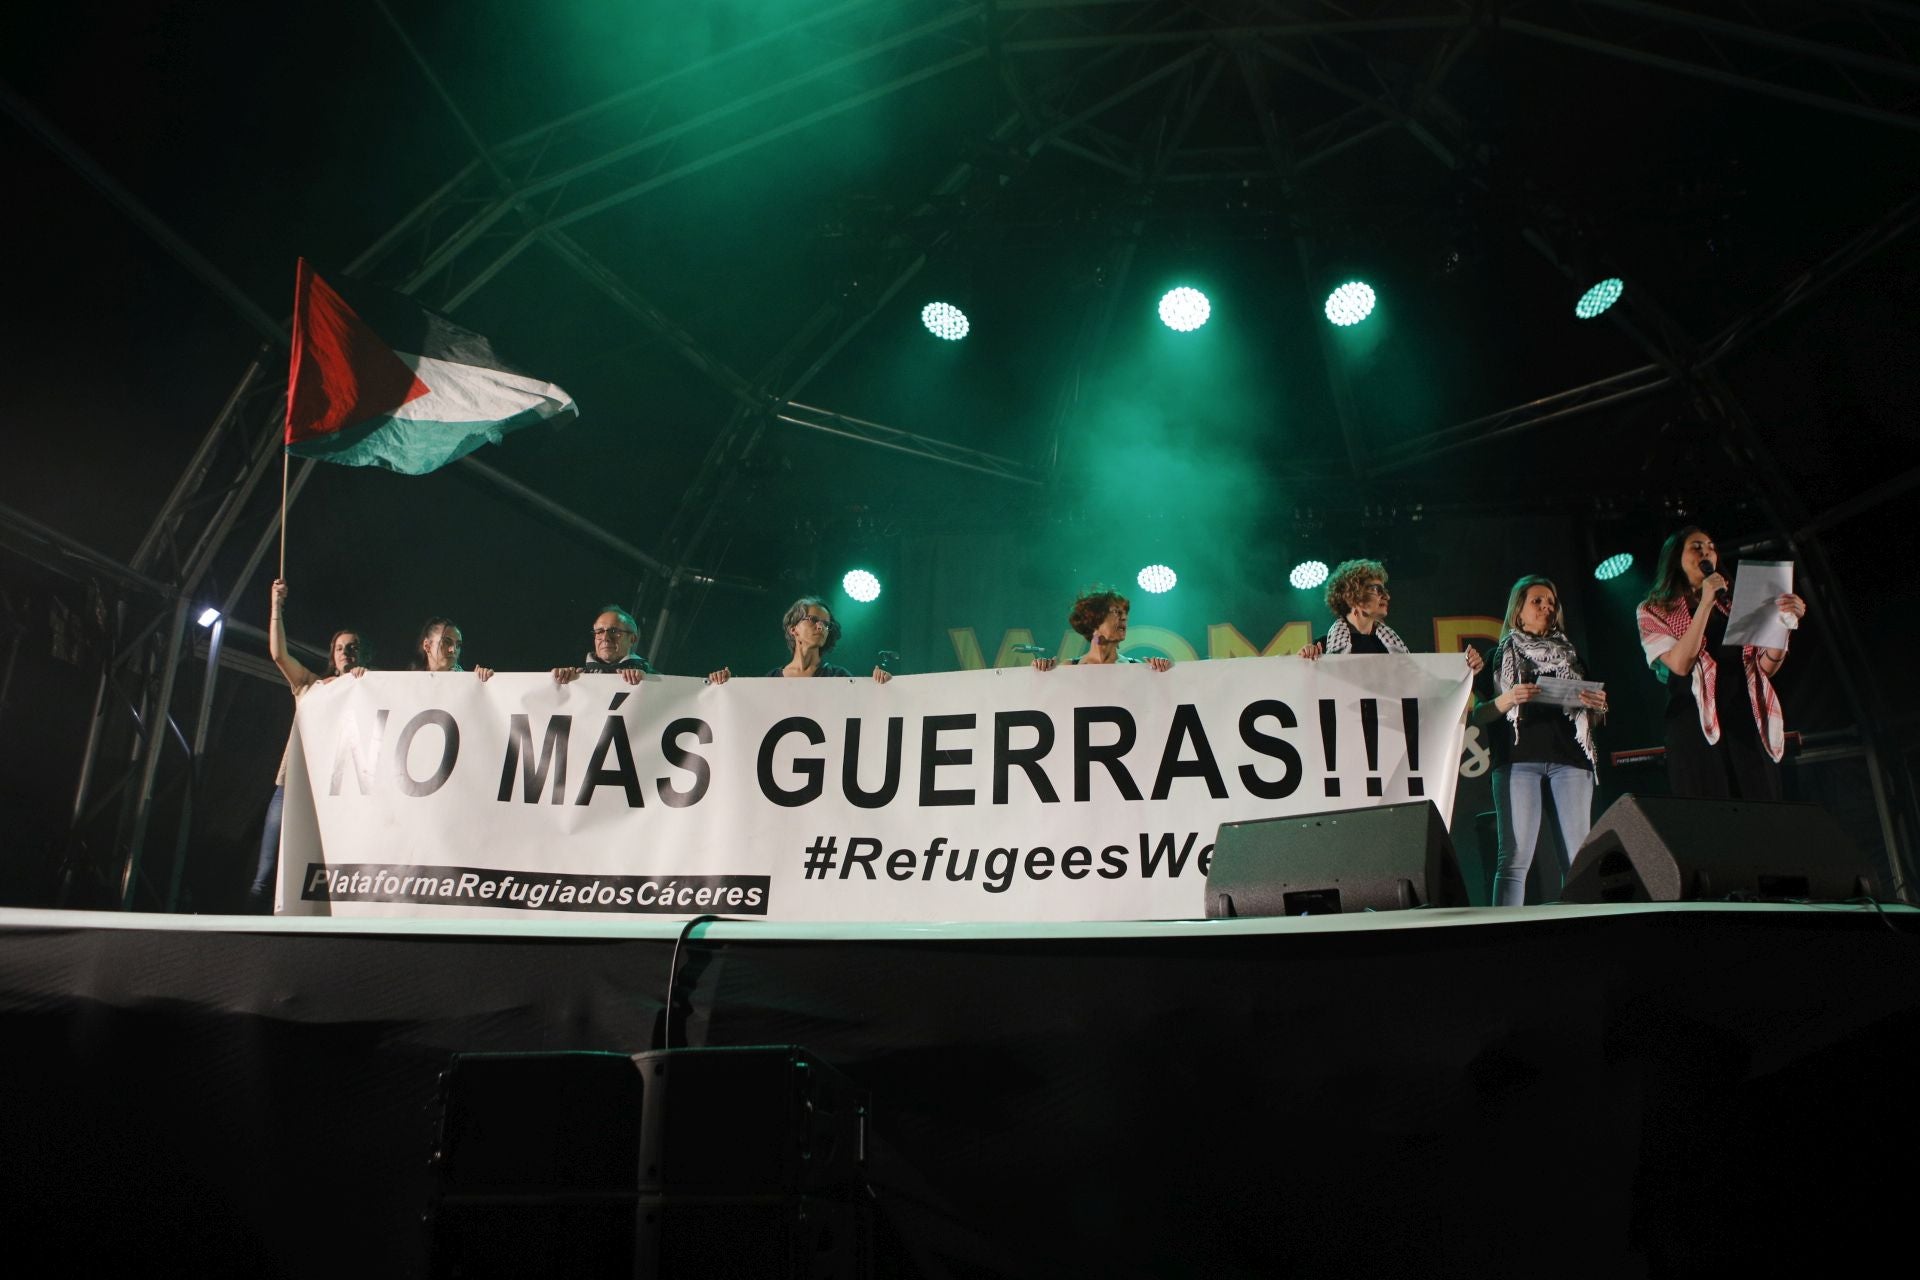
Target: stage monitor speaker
column 754, row 1120
column 1380, row 859
column 534, row 1166
column 1671, row 849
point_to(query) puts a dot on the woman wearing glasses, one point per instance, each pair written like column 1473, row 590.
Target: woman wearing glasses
column 810, row 632
column 1357, row 593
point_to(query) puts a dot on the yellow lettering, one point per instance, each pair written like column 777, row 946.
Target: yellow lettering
column 1450, row 635
column 1171, row 643
column 1225, row 641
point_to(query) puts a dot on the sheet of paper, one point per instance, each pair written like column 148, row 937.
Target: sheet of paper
column 1757, row 586
column 1557, row 691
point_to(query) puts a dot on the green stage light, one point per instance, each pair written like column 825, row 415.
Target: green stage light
column 1308, row 574
column 1157, row 579
column 1599, row 298
column 1351, row 303
column 944, row 320
column 1613, row 566
column 1184, row 310
column 861, row 585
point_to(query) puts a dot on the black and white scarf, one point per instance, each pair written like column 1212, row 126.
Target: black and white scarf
column 1523, row 658
column 1340, row 637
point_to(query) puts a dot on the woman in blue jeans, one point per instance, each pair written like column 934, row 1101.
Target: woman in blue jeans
column 1537, row 748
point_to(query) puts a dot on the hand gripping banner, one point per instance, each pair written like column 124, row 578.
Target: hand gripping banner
column 1084, row 793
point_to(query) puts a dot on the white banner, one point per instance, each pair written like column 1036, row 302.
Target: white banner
column 1084, row 793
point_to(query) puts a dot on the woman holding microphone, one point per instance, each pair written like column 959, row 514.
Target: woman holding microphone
column 1725, row 734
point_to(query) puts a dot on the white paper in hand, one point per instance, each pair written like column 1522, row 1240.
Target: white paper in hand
column 1757, row 588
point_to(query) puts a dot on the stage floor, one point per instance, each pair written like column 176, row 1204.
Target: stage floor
column 1619, row 1090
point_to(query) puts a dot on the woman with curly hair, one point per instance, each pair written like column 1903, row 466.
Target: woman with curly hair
column 811, row 632
column 1100, row 615
column 1725, row 733
column 1358, row 596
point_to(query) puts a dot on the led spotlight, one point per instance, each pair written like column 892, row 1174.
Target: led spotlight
column 209, row 616
column 1184, row 310
column 944, row 320
column 1351, row 303
column 1613, row 566
column 861, row 585
column 1156, row 579
column 1599, row 298
column 1308, row 574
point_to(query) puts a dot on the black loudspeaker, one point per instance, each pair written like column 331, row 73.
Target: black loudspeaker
column 1380, row 859
column 712, row 1163
column 533, row 1170
column 1670, row 849
column 757, row 1120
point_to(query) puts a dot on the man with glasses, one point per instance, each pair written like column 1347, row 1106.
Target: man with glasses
column 614, row 633
column 1357, row 593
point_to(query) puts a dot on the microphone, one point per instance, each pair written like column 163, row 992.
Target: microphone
column 1706, row 568
column 1037, row 650
column 887, row 658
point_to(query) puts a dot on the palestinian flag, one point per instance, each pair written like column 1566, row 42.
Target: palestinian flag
column 379, row 381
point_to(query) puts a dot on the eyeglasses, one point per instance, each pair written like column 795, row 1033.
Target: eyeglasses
column 1377, row 589
column 818, row 622
column 610, row 631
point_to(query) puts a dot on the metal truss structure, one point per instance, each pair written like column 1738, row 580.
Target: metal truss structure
column 1068, row 71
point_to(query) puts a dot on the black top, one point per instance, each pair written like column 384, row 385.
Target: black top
column 591, row 663
column 1545, row 733
column 824, row 669
column 1729, row 683
column 1363, row 642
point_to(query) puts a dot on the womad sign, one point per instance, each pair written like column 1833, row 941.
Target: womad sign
column 1085, row 793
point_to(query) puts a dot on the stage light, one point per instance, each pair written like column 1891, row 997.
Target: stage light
column 1613, row 566
column 1156, row 579
column 1351, row 303
column 1184, row 310
column 944, row 320
column 209, row 616
column 1308, row 574
column 1599, row 298
column 861, row 586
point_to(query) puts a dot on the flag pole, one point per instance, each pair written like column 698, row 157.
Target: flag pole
column 284, row 464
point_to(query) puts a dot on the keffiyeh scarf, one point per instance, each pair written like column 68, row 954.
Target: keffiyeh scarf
column 1661, row 629
column 1523, row 657
column 1340, row 638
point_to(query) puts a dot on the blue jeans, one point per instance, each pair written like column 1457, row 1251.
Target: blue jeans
column 1516, row 802
column 260, row 896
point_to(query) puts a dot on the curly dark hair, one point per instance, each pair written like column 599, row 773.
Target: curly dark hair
column 1092, row 608
column 798, row 610
column 1343, row 588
